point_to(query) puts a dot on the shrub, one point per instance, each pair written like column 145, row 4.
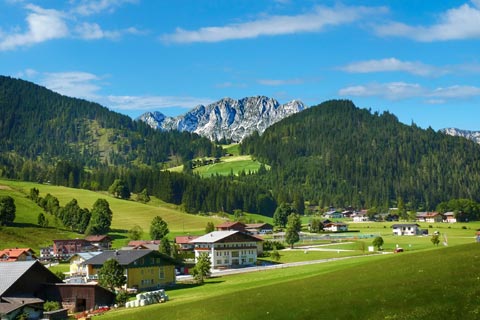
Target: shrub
column 51, row 306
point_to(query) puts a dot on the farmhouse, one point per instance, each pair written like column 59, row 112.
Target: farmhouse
column 229, row 226
column 360, row 216
column 17, row 254
column 22, row 288
column 408, row 229
column 100, row 242
column 228, row 248
column 430, row 217
column 449, row 217
column 145, row 269
column 143, row 244
column 335, row 227
column 259, row 228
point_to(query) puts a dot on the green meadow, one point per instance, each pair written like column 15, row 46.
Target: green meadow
column 126, row 213
column 436, row 284
column 228, row 165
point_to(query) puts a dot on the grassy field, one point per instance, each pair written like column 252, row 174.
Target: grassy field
column 125, row 215
column 228, row 165
column 433, row 284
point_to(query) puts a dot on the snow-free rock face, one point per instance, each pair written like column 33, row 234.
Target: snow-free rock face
column 227, row 118
column 472, row 135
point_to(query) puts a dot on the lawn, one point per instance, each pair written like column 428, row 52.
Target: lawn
column 422, row 285
column 228, row 165
column 125, row 215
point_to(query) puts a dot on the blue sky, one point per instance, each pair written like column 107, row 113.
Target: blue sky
column 416, row 59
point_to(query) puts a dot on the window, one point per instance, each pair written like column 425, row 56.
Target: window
column 161, row 273
column 219, row 261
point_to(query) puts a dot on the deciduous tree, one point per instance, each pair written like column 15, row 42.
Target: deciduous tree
column 111, row 275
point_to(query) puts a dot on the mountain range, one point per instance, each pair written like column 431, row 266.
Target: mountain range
column 471, row 135
column 227, row 118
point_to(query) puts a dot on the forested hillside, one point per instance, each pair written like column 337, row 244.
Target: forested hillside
column 337, row 154
column 40, row 129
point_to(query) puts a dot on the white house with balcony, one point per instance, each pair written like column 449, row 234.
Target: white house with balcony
column 228, row 248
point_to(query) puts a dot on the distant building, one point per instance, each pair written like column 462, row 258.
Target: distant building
column 17, row 254
column 184, row 242
column 230, row 226
column 259, row 228
column 430, row 217
column 335, row 227
column 66, row 248
column 100, row 242
column 407, row 229
column 449, row 217
column 143, row 244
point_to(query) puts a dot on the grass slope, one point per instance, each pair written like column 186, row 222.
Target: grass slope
column 435, row 284
column 125, row 215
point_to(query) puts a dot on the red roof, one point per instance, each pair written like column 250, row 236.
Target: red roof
column 14, row 254
column 184, row 239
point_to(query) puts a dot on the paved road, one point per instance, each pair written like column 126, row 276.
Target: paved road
column 217, row 273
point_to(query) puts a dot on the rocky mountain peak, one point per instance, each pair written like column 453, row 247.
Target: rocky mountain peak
column 227, row 118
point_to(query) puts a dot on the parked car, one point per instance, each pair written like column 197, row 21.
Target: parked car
column 397, row 250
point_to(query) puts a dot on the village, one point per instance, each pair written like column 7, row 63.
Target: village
column 27, row 283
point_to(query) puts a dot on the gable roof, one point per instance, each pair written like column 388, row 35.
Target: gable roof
column 11, row 272
column 217, row 236
column 98, row 238
column 135, row 243
column 15, row 253
column 259, row 225
column 184, row 239
column 125, row 257
column 86, row 255
column 230, row 224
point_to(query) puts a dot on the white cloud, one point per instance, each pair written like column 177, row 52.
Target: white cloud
column 27, row 73
column 314, row 21
column 454, row 24
column 456, row 92
column 145, row 103
column 92, row 31
column 43, row 25
column 393, row 64
column 73, row 84
column 278, row 82
column 402, row 90
column 89, row 7
column 391, row 90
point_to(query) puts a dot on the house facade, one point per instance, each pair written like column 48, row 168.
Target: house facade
column 100, row 242
column 184, row 242
column 144, row 269
column 77, row 266
column 68, row 247
column 17, row 254
column 335, row 227
column 407, row 229
column 259, row 228
column 430, row 217
column 449, row 217
column 228, row 248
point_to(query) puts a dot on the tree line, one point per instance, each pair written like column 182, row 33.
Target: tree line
column 337, row 154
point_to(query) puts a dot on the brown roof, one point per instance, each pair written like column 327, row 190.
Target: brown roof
column 135, row 243
column 97, row 238
column 229, row 224
column 184, row 239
